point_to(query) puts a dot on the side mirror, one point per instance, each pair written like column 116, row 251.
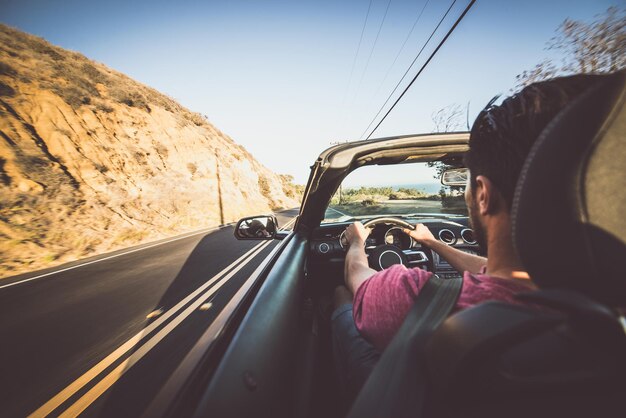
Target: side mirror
column 455, row 177
column 256, row 228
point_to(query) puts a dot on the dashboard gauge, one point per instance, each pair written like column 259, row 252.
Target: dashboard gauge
column 395, row 236
column 342, row 240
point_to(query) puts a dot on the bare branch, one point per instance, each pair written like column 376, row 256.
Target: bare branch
column 448, row 119
column 595, row 47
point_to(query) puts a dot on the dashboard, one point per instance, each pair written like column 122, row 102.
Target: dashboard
column 328, row 246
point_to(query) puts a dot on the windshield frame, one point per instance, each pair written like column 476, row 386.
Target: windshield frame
column 334, row 164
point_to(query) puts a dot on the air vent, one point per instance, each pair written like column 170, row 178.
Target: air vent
column 468, row 236
column 447, row 236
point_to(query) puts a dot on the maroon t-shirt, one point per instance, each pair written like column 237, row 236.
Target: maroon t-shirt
column 382, row 302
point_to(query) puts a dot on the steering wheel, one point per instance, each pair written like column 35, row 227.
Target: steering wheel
column 388, row 220
column 386, row 255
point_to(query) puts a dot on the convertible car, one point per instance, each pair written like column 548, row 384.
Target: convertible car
column 565, row 357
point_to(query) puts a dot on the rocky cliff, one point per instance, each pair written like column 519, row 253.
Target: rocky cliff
column 92, row 161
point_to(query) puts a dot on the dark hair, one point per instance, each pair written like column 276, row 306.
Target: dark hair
column 502, row 136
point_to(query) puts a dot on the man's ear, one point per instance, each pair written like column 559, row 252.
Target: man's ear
column 488, row 198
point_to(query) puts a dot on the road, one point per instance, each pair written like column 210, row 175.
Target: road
column 99, row 337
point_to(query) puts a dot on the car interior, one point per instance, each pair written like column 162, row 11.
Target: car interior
column 561, row 356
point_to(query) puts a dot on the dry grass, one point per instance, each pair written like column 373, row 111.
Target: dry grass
column 193, row 168
column 6, row 90
column 111, row 169
column 264, row 185
column 75, row 78
column 197, row 119
column 6, row 69
column 129, row 235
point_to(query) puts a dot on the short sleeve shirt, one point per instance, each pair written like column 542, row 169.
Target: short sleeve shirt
column 382, row 302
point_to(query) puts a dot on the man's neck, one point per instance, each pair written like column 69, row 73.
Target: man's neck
column 502, row 260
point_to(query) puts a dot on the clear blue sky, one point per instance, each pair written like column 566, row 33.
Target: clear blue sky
column 276, row 75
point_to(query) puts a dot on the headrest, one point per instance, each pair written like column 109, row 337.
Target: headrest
column 569, row 208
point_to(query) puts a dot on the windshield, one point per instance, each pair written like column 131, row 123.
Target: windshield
column 403, row 189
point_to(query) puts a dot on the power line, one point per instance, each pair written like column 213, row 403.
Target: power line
column 356, row 55
column 409, row 69
column 408, row 36
column 358, row 48
column 445, row 38
column 367, row 63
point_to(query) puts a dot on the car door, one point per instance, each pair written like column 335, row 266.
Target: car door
column 267, row 368
column 256, row 371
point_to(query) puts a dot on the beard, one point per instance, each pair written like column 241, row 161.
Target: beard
column 479, row 230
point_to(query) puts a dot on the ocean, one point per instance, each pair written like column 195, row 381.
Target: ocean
column 429, row 188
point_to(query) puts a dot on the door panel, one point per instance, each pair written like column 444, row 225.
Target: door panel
column 256, row 375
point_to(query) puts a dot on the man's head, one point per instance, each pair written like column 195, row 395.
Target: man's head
column 256, row 228
column 500, row 140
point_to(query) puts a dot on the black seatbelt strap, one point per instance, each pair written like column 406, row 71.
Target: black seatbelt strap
column 397, row 384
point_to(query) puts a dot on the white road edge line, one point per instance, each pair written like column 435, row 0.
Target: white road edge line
column 88, row 376
column 112, row 256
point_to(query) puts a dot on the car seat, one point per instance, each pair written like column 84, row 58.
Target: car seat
column 565, row 353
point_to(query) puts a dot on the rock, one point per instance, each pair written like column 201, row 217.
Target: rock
column 96, row 161
column 26, row 186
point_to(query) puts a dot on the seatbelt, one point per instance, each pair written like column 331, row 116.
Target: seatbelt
column 396, row 387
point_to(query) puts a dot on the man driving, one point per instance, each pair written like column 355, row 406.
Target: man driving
column 372, row 305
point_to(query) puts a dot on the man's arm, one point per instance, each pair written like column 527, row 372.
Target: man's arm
column 356, row 269
column 460, row 260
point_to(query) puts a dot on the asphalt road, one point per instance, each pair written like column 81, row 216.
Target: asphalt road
column 99, row 337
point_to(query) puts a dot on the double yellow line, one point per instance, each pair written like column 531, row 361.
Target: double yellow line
column 105, row 383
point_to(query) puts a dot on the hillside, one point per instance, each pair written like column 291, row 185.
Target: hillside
column 92, row 161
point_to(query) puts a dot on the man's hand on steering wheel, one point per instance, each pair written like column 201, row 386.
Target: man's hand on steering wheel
column 421, row 234
column 356, row 234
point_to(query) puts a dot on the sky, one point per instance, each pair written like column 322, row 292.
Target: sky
column 284, row 79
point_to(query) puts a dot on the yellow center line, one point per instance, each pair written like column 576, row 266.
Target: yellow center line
column 75, row 386
column 112, row 377
column 104, row 384
column 288, row 224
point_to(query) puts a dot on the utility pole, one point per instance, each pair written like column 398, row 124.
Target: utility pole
column 219, row 187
